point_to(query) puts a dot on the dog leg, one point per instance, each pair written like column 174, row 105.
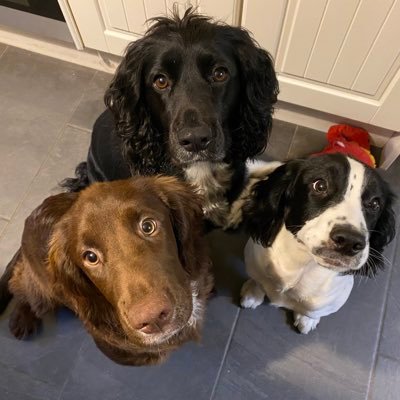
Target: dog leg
column 23, row 321
column 251, row 295
column 305, row 324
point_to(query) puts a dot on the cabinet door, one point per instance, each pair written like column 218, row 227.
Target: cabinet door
column 337, row 56
column 110, row 25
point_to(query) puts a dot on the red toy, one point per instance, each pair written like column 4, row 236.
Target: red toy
column 349, row 140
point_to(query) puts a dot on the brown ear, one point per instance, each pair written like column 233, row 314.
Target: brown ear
column 187, row 219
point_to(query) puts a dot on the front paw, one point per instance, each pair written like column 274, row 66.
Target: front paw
column 23, row 322
column 251, row 295
column 305, row 324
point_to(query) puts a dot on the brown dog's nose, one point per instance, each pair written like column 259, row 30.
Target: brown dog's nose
column 151, row 317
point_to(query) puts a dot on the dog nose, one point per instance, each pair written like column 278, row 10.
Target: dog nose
column 347, row 240
column 151, row 317
column 196, row 139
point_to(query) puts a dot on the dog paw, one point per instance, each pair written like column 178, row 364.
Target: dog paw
column 251, row 295
column 23, row 322
column 305, row 324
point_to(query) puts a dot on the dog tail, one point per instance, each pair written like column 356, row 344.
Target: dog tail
column 5, row 294
column 80, row 181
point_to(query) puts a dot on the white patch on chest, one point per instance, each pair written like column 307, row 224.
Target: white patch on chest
column 291, row 278
column 211, row 180
column 197, row 305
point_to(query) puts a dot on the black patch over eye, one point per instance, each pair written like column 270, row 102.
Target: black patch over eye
column 91, row 257
column 320, row 186
column 220, row 74
column 374, row 204
column 161, row 82
column 148, row 226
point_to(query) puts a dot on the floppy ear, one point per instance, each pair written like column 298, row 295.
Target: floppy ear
column 382, row 234
column 264, row 211
column 260, row 89
column 142, row 142
column 187, row 220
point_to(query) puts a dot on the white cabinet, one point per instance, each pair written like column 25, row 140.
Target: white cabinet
column 110, row 25
column 340, row 57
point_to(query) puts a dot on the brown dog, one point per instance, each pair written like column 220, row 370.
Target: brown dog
column 128, row 257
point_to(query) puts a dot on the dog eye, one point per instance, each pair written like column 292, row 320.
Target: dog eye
column 374, row 204
column 320, row 186
column 91, row 257
column 220, row 74
column 148, row 226
column 161, row 82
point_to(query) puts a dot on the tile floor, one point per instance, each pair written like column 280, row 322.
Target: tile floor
column 47, row 109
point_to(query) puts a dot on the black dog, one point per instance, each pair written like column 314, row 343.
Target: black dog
column 192, row 98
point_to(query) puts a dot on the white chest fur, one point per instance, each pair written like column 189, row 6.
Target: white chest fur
column 290, row 277
column 211, row 181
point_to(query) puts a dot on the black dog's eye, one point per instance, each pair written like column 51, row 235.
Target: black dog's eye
column 220, row 74
column 91, row 257
column 374, row 204
column 161, row 82
column 320, row 186
column 148, row 226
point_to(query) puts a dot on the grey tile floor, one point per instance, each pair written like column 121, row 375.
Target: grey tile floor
column 47, row 110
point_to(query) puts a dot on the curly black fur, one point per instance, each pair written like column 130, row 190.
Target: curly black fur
column 139, row 136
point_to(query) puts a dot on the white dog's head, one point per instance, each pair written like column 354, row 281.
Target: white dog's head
column 337, row 207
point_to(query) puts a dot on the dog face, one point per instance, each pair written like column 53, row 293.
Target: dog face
column 338, row 208
column 193, row 90
column 132, row 245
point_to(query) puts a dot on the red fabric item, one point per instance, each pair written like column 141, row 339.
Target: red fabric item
column 349, row 140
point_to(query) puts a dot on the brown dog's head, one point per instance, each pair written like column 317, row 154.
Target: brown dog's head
column 131, row 253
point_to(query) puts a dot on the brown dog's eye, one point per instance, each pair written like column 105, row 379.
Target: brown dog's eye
column 161, row 82
column 91, row 257
column 148, row 226
column 320, row 186
column 220, row 74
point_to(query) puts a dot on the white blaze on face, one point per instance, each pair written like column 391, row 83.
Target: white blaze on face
column 315, row 232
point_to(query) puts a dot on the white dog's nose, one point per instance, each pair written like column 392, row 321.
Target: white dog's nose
column 347, row 240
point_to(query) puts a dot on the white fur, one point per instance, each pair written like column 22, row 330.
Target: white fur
column 197, row 306
column 211, row 180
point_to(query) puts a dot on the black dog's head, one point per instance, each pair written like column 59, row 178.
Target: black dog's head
column 193, row 90
column 338, row 208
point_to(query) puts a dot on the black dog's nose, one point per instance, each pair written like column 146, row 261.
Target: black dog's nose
column 196, row 139
column 347, row 240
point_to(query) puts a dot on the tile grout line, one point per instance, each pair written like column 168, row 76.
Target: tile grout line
column 291, row 141
column 4, row 51
column 47, row 157
column 228, row 345
column 79, row 128
column 381, row 323
column 67, row 378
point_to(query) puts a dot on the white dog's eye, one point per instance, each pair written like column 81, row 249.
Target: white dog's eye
column 374, row 204
column 320, row 186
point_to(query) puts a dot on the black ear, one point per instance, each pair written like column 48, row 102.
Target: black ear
column 260, row 89
column 264, row 211
column 382, row 234
column 142, row 142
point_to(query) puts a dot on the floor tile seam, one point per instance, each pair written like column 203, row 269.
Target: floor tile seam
column 387, row 357
column 381, row 323
column 31, row 183
column 80, row 128
column 4, row 51
column 291, row 141
column 5, row 219
column 67, row 378
column 226, row 350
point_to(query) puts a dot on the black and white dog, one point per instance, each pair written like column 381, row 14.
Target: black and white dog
column 314, row 223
